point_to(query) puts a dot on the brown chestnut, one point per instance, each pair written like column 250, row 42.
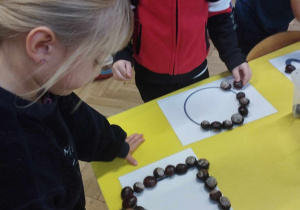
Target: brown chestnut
column 243, row 111
column 211, row 182
column 170, row 170
column 244, row 101
column 227, row 124
column 181, row 169
column 138, row 187
column 224, row 203
column 190, row 161
column 202, row 174
column 225, row 85
column 126, row 192
column 238, row 84
column 215, row 195
column 240, row 95
column 205, row 125
column 202, row 164
column 150, row 181
column 129, row 202
column 159, row 173
column 289, row 68
column 216, row 126
column 237, row 119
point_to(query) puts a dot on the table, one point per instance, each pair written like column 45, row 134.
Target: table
column 257, row 165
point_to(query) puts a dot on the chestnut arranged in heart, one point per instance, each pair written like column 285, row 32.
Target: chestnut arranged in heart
column 236, row 119
column 130, row 201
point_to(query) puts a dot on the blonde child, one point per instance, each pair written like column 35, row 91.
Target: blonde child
column 47, row 49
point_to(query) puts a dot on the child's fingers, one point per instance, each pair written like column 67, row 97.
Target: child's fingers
column 134, row 137
column 131, row 160
column 134, row 144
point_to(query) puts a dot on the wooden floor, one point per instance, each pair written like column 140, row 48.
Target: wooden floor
column 111, row 97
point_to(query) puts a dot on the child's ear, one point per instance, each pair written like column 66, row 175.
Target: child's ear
column 40, row 44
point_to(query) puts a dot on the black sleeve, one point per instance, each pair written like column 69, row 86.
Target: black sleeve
column 223, row 36
column 124, row 54
column 95, row 139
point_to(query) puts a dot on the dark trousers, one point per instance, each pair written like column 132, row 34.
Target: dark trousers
column 150, row 90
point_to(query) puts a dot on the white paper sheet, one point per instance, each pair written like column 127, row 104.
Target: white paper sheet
column 180, row 192
column 185, row 111
column 281, row 62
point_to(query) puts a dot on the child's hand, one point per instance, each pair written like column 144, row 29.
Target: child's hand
column 134, row 141
column 242, row 73
column 122, row 70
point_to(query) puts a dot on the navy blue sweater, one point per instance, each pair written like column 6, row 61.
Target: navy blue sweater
column 40, row 148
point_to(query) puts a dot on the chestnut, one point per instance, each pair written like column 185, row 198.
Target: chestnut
column 243, row 111
column 159, row 173
column 238, row 84
column 225, row 85
column 224, row 203
column 190, row 161
column 129, row 202
column 181, row 169
column 138, row 187
column 289, row 68
column 237, row 119
column 240, row 95
column 150, row 181
column 205, row 125
column 211, row 182
column 216, row 126
column 170, row 170
column 202, row 164
column 215, row 195
column 227, row 124
column 202, row 174
column 126, row 192
column 244, row 101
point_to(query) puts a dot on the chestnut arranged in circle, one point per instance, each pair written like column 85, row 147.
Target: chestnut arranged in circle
column 289, row 68
column 210, row 182
column 238, row 85
column 236, row 119
column 216, row 126
column 225, row 85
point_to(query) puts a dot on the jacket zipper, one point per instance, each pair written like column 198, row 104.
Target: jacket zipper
column 176, row 34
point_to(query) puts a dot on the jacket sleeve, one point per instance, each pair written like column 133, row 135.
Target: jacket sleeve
column 124, row 54
column 95, row 139
column 222, row 34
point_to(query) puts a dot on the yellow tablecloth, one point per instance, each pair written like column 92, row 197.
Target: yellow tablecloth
column 257, row 165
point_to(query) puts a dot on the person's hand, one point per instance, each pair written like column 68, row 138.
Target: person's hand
column 134, row 141
column 242, row 73
column 122, row 70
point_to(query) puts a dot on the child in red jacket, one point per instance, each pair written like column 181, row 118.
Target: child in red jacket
column 170, row 45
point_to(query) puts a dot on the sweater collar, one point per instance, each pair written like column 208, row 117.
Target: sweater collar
column 20, row 105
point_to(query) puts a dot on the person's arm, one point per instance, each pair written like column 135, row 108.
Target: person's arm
column 95, row 138
column 296, row 8
column 223, row 36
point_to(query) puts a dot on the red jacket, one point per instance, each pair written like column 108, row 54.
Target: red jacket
column 170, row 36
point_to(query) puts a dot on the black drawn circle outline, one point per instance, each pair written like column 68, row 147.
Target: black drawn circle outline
column 185, row 111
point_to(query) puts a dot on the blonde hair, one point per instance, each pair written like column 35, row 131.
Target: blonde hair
column 95, row 27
